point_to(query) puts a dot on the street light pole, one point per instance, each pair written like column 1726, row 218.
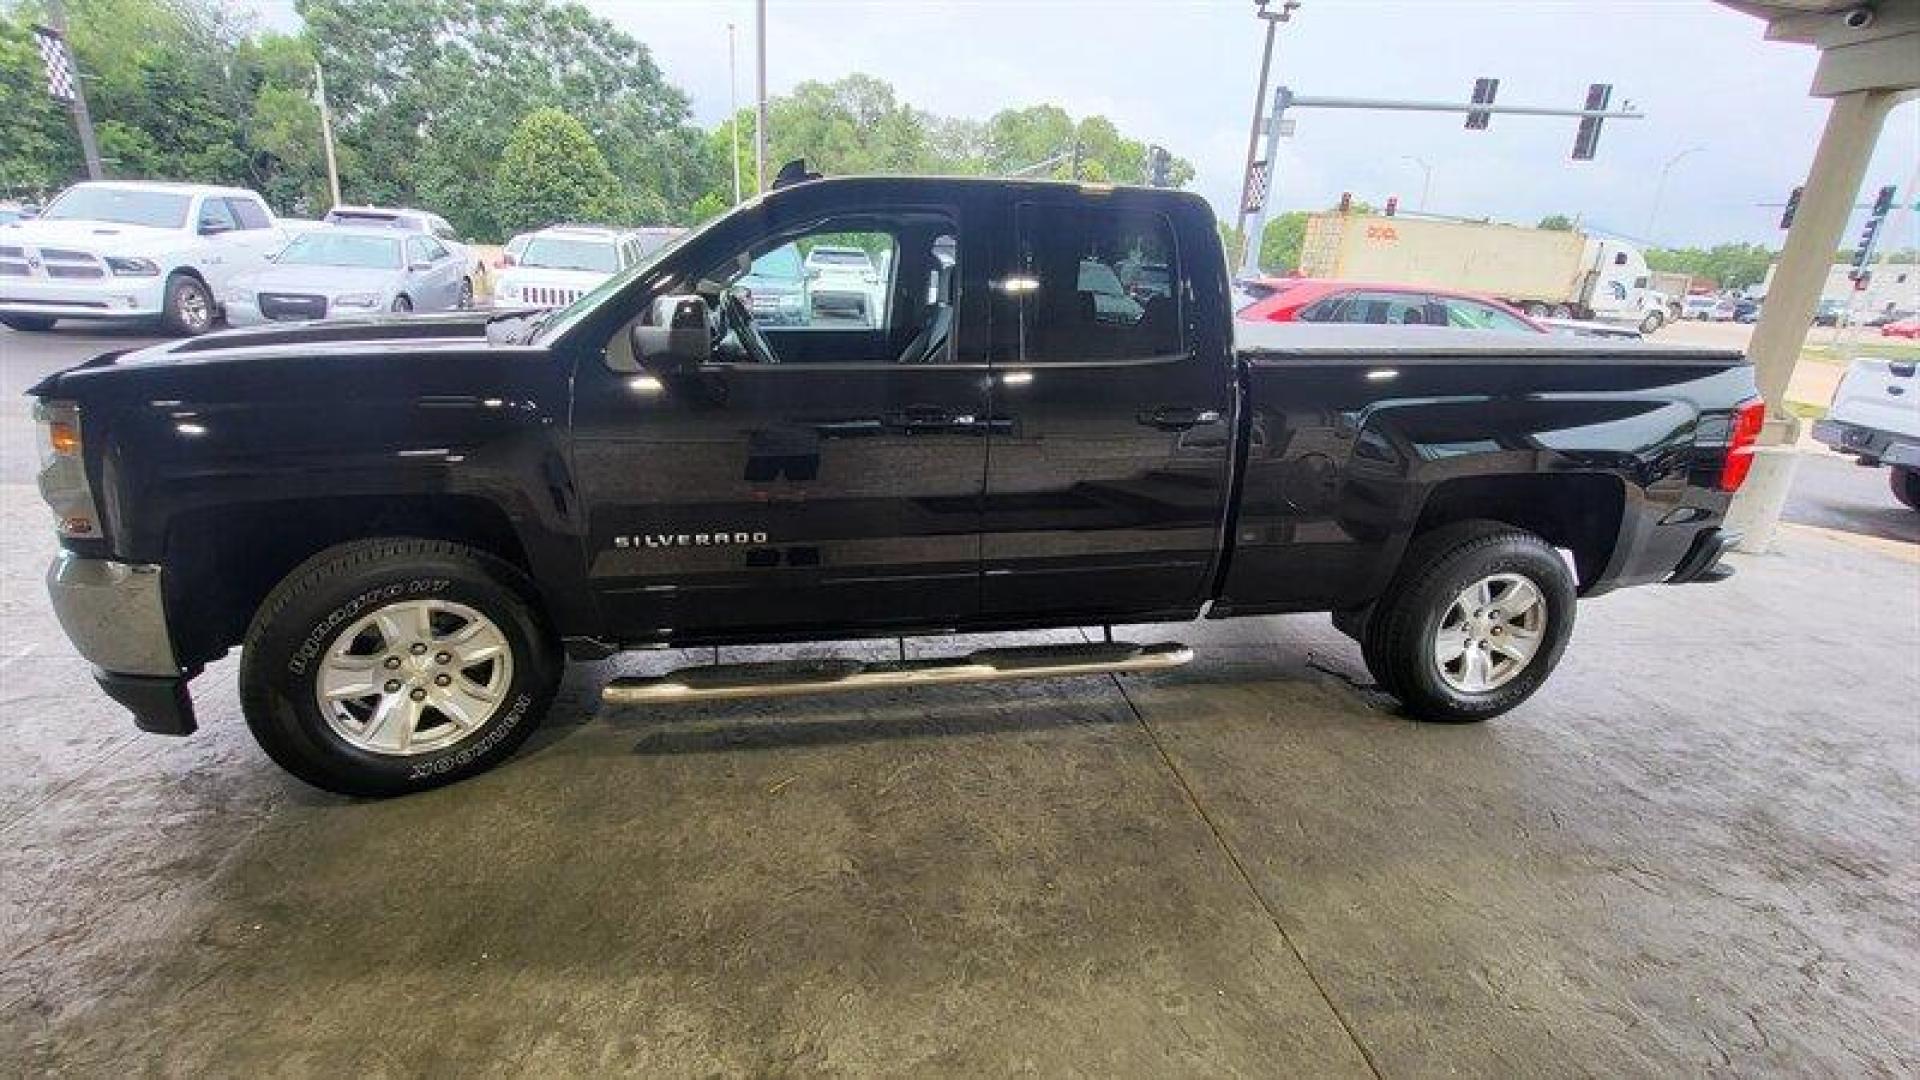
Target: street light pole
column 1426, row 177
column 733, row 113
column 326, row 132
column 1260, row 106
column 1660, row 188
column 760, row 116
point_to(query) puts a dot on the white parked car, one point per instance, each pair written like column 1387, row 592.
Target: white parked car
column 844, row 284
column 340, row 271
column 1875, row 416
column 406, row 220
column 560, row 264
column 133, row 251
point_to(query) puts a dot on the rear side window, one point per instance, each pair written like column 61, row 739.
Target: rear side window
column 251, row 214
column 1095, row 284
column 1384, row 308
column 1473, row 315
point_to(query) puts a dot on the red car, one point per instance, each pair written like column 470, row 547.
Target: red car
column 1321, row 300
column 1903, row 328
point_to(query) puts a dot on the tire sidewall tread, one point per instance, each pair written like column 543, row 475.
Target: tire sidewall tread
column 1396, row 642
column 302, row 617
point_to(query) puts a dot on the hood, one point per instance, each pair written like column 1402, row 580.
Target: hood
column 322, row 280
column 396, row 337
column 96, row 236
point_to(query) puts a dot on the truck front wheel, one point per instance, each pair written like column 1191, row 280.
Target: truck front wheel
column 1472, row 624
column 389, row 666
column 187, row 306
column 1906, row 486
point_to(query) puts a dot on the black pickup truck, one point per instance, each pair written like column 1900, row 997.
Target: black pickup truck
column 410, row 524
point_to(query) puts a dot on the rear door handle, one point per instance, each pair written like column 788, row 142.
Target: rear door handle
column 1177, row 418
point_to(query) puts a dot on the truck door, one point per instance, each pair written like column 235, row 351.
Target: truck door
column 827, row 474
column 1113, row 395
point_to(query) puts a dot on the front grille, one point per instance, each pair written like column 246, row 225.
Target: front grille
column 13, row 269
column 292, row 306
column 67, row 263
column 543, row 296
column 12, row 252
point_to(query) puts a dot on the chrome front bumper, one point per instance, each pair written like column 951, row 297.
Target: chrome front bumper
column 112, row 612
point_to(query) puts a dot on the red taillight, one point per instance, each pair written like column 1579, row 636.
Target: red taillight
column 1747, row 422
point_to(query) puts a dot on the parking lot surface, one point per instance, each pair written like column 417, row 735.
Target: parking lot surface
column 1692, row 853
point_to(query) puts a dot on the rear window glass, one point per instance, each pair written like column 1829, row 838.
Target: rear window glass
column 559, row 253
column 1096, row 284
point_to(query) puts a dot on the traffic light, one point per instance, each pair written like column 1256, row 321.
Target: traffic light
column 1159, row 167
column 1483, row 91
column 1883, row 202
column 1588, row 137
column 1393, row 204
column 1793, row 207
column 1863, row 254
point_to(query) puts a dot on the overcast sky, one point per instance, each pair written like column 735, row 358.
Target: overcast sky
column 1182, row 73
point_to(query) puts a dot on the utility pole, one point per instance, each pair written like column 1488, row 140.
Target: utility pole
column 1660, row 189
column 326, row 132
column 760, row 121
column 733, row 113
column 1273, row 22
column 74, row 89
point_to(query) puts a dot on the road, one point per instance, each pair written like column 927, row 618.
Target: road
column 1830, row 491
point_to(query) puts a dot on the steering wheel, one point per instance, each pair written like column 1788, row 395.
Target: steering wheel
column 734, row 316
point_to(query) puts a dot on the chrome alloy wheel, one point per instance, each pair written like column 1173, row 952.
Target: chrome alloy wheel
column 1490, row 633
column 196, row 310
column 414, row 677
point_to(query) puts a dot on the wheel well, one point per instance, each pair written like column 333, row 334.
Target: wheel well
column 1580, row 512
column 222, row 561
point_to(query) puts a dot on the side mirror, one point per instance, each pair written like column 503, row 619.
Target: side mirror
column 675, row 337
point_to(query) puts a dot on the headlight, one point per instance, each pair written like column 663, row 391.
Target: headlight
column 357, row 300
column 63, row 474
column 123, row 267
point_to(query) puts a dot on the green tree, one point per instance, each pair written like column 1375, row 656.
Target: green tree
column 551, row 171
column 428, row 92
column 1556, row 223
column 1733, row 266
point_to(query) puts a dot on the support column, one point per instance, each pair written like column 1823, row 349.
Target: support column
column 1819, row 226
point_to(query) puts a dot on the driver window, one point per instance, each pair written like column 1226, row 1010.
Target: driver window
column 876, row 289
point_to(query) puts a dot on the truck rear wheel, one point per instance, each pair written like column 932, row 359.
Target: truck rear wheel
column 1906, row 486
column 390, row 666
column 1473, row 622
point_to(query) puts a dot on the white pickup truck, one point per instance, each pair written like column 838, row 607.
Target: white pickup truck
column 133, row 251
column 1875, row 417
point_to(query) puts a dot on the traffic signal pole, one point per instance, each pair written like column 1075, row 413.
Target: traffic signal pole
column 1284, row 99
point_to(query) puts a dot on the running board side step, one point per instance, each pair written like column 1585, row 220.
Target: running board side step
column 787, row 678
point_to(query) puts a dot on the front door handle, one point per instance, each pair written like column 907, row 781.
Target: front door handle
column 1177, row 418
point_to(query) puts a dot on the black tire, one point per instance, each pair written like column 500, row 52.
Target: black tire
column 1398, row 637
column 1536, row 310
column 187, row 309
column 1905, row 481
column 1653, row 321
column 401, row 305
column 32, row 324
column 306, row 614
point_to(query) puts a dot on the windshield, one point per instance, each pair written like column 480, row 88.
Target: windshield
column 336, row 249
column 561, row 253
column 123, row 206
column 780, row 264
